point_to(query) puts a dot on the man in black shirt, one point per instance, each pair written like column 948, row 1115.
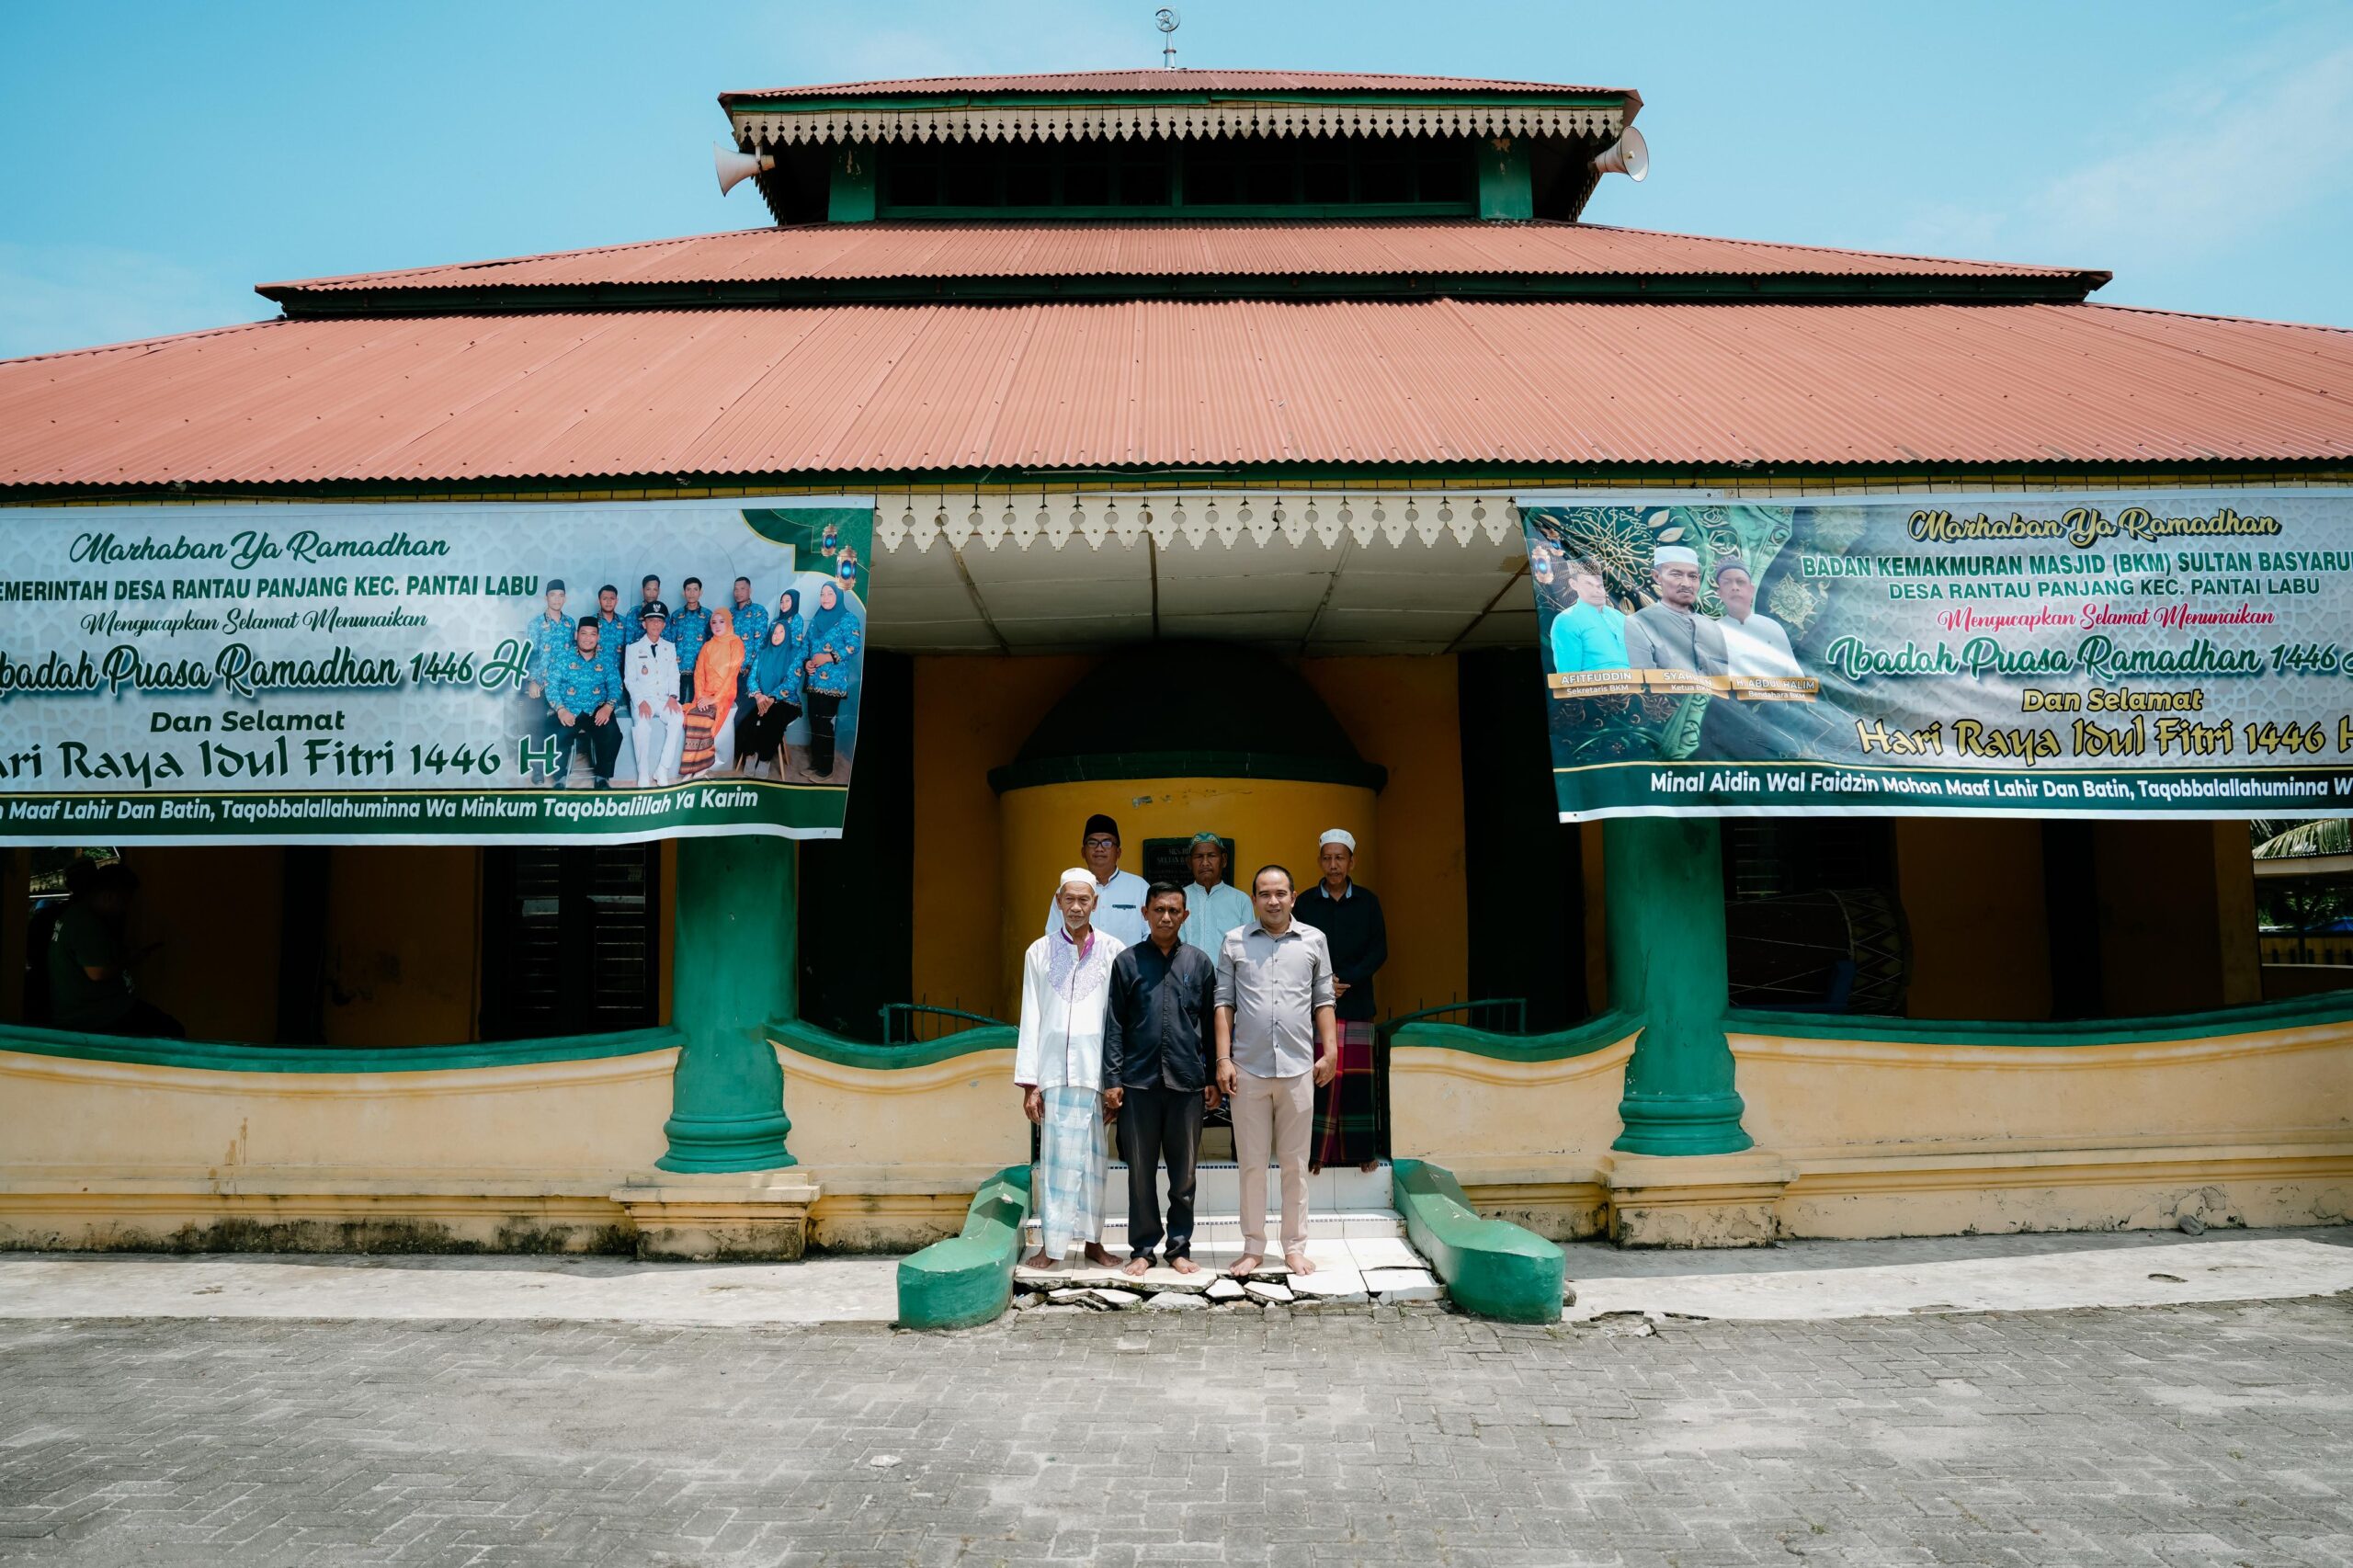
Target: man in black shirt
column 1348, row 1112
column 1156, row 1033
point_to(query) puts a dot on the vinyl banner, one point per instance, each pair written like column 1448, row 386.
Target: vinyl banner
column 2170, row 654
column 429, row 674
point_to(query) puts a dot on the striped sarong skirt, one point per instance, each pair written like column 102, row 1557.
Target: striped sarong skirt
column 1348, row 1112
column 1069, row 1181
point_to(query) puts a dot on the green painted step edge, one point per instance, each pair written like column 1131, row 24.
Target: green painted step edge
column 2254, row 1017
column 1596, row 1033
column 967, row 1279
column 808, row 1040
column 224, row 1056
column 1492, row 1268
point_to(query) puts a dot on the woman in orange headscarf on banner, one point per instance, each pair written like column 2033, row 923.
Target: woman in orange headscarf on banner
column 711, row 720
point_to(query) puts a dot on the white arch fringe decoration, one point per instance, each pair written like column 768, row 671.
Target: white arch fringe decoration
column 773, row 128
column 1059, row 520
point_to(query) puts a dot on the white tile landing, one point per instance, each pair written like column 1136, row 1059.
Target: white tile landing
column 1350, row 1228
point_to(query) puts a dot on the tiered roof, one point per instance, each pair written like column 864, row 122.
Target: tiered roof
column 954, row 353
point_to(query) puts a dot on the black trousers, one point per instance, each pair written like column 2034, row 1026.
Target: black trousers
column 822, row 706
column 1156, row 1125
column 758, row 736
column 603, row 741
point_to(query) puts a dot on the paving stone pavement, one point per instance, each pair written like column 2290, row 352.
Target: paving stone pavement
column 2208, row 1434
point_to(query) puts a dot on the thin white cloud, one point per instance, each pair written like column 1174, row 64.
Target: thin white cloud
column 2193, row 171
column 2274, row 142
column 58, row 297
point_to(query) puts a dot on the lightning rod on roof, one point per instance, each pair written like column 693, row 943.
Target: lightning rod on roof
column 1168, row 22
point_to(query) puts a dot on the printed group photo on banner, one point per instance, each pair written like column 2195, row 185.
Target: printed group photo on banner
column 380, row 672
column 2059, row 654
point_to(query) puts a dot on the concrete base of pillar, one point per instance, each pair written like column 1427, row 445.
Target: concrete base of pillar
column 701, row 1219
column 1695, row 1200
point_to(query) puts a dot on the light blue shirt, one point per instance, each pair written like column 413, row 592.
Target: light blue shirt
column 1587, row 638
column 1211, row 913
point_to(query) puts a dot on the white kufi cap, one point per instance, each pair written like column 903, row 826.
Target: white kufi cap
column 1676, row 555
column 1341, row 836
column 1076, row 874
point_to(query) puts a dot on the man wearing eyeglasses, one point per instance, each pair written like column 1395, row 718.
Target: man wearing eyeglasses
column 1118, row 896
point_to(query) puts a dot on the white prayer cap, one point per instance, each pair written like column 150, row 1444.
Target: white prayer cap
column 1079, row 874
column 1676, row 555
column 1341, row 836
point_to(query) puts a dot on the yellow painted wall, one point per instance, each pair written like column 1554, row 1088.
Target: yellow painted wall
column 1973, row 896
column 971, row 714
column 100, row 1153
column 1268, row 819
column 1405, row 714
column 403, row 953
column 897, row 1155
column 1919, row 1139
column 1528, row 1140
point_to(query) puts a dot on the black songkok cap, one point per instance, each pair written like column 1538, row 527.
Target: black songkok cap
column 1098, row 822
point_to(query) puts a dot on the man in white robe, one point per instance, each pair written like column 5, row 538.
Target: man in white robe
column 1058, row 1064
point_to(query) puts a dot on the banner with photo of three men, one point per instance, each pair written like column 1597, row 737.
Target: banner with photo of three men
column 2142, row 654
column 373, row 673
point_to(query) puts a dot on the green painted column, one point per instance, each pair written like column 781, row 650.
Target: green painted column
column 1662, row 883
column 737, row 966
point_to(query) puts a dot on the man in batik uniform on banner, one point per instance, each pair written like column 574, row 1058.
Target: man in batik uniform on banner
column 1058, row 1063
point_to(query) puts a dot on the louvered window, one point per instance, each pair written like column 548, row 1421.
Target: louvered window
column 571, row 941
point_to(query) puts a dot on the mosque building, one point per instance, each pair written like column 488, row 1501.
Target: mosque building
column 1196, row 426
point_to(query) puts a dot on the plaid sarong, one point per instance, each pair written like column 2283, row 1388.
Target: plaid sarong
column 1069, row 1182
column 701, row 740
column 1348, row 1112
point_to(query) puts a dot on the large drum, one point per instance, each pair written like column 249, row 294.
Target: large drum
column 1841, row 951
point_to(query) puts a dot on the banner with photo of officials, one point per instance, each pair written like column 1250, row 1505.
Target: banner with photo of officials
column 2141, row 654
column 430, row 672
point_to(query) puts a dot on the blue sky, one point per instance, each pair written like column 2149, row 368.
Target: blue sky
column 161, row 158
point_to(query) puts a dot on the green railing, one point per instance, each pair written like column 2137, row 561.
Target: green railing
column 920, row 1023
column 1493, row 1015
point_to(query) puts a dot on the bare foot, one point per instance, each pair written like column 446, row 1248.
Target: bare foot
column 1137, row 1265
column 1097, row 1255
column 1315, row 1167
column 1369, row 1166
column 1041, row 1261
column 1183, row 1265
column 1299, row 1262
column 1246, row 1265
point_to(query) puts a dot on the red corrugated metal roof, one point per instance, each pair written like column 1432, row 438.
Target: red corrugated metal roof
column 1148, row 249
column 843, row 389
column 1187, row 80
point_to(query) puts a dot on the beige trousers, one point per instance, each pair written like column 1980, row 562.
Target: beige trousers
column 1272, row 1120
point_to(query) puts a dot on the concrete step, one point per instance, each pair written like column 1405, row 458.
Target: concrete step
column 1217, row 1188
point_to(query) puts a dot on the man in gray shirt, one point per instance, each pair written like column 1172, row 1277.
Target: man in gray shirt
column 1276, row 1042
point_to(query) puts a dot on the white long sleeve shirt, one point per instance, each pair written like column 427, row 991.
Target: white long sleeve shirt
column 650, row 674
column 1064, row 993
